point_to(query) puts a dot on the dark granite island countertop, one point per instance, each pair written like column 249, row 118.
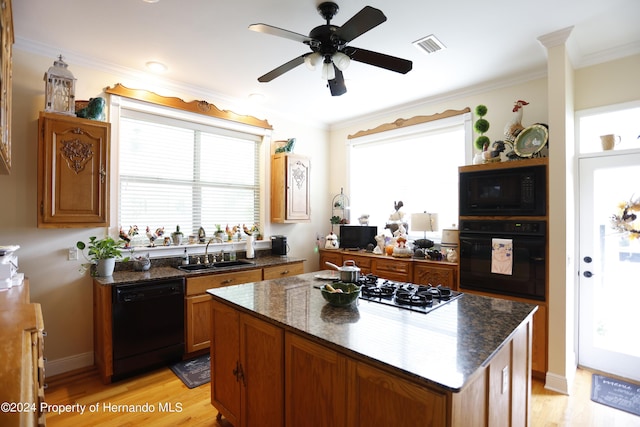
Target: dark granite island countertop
column 444, row 348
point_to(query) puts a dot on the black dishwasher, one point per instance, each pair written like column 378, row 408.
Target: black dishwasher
column 148, row 325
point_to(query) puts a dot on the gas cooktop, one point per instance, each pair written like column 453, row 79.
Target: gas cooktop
column 421, row 298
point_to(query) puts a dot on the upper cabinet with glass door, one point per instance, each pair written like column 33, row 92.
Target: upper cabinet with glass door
column 6, row 47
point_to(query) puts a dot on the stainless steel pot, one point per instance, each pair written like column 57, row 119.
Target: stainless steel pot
column 349, row 272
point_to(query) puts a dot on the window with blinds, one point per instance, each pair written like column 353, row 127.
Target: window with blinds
column 176, row 172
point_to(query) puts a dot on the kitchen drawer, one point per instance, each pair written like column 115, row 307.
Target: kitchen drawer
column 200, row 284
column 283, row 270
column 393, row 269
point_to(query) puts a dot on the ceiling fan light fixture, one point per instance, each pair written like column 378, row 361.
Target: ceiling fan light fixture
column 328, row 72
column 341, row 60
column 312, row 60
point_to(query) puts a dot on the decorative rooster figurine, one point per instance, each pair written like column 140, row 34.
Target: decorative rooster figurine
column 514, row 126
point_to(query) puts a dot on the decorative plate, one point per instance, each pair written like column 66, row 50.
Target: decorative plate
column 531, row 140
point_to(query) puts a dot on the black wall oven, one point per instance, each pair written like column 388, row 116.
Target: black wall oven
column 479, row 242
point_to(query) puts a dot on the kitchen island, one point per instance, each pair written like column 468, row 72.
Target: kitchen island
column 281, row 356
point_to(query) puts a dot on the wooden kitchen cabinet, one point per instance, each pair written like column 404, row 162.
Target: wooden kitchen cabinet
column 198, row 304
column 247, row 384
column 332, row 256
column 285, row 270
column 22, row 349
column 326, row 402
column 73, row 171
column 378, row 396
column 6, row 53
column 425, row 273
column 290, row 188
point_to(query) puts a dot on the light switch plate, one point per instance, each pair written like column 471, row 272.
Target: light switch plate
column 73, row 254
column 505, row 379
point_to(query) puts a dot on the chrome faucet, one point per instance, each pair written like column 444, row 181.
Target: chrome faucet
column 206, row 249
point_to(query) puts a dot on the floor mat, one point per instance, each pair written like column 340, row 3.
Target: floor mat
column 615, row 393
column 193, row 372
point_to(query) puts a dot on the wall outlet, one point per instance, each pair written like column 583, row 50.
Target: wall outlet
column 73, row 254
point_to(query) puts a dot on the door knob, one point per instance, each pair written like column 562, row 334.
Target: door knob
column 587, row 274
column 588, row 259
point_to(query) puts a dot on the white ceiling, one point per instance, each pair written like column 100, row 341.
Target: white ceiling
column 206, row 45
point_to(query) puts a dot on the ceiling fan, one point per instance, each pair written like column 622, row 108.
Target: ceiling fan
column 329, row 44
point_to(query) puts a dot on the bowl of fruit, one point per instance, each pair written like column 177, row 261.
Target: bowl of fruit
column 340, row 294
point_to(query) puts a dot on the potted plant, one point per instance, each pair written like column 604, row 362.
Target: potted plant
column 102, row 253
column 177, row 236
column 219, row 233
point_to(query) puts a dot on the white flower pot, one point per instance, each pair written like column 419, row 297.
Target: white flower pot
column 105, row 267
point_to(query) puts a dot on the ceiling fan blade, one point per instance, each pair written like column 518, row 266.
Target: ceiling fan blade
column 336, row 86
column 360, row 23
column 275, row 31
column 381, row 60
column 287, row 66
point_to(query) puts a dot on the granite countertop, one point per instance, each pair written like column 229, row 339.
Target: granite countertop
column 166, row 268
column 444, row 347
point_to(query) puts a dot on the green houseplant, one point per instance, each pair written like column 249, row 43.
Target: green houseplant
column 176, row 236
column 102, row 253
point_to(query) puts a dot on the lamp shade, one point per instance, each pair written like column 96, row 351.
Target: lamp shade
column 450, row 237
column 328, row 72
column 312, row 60
column 424, row 221
column 341, row 60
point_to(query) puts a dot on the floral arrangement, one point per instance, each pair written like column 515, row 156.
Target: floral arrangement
column 625, row 220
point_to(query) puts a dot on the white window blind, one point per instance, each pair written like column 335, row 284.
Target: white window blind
column 418, row 166
column 176, row 172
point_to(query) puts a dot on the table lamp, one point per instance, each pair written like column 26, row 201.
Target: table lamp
column 424, row 222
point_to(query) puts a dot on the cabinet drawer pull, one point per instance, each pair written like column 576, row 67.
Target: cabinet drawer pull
column 224, row 282
column 285, row 272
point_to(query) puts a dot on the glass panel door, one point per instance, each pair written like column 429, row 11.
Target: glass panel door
column 609, row 284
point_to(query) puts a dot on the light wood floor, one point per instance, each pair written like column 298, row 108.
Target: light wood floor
column 163, row 391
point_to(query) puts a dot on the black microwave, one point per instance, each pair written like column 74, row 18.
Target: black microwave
column 520, row 191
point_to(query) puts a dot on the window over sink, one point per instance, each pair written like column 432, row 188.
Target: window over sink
column 178, row 168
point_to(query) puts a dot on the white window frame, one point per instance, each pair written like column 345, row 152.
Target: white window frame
column 117, row 103
column 465, row 120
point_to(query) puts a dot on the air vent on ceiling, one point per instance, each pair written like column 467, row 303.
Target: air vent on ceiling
column 429, row 44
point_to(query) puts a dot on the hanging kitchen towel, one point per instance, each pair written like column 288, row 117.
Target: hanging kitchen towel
column 502, row 256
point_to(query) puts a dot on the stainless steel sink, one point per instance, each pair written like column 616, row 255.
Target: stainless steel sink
column 215, row 265
column 238, row 262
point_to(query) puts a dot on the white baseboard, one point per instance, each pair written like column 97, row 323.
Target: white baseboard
column 66, row 364
column 557, row 383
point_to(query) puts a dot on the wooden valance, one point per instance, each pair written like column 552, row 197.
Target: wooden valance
column 199, row 107
column 416, row 120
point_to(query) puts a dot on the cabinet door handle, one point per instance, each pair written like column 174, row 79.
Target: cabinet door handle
column 238, row 373
column 103, row 174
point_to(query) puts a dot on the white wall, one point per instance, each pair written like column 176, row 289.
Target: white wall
column 65, row 295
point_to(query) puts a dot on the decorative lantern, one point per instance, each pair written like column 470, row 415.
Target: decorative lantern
column 60, row 89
